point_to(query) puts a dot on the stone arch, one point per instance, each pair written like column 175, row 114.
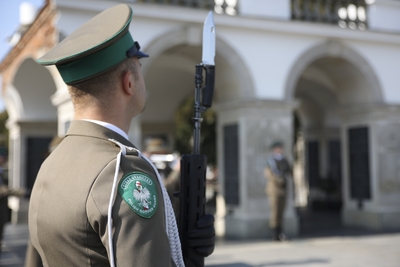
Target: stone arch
column 169, row 76
column 330, row 81
column 28, row 96
column 13, row 103
column 335, row 50
column 239, row 84
column 32, row 120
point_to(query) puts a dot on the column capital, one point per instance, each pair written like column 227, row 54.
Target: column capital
column 257, row 104
column 370, row 112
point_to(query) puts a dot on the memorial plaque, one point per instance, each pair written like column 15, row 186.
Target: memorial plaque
column 360, row 187
column 231, row 164
column 313, row 163
column 335, row 161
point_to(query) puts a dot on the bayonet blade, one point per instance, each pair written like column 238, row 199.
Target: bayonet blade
column 209, row 40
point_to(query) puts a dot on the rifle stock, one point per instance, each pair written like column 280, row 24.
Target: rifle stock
column 192, row 203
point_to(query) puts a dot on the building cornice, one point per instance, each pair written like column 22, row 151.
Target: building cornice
column 256, row 104
column 378, row 109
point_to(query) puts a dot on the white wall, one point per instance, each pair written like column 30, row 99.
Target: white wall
column 267, row 48
column 384, row 15
column 265, row 8
column 383, row 58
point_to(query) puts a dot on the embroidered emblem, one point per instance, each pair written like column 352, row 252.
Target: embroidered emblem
column 140, row 193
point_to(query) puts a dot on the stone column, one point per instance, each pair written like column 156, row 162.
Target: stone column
column 20, row 133
column 62, row 101
column 65, row 110
column 246, row 130
column 381, row 210
column 135, row 132
column 15, row 170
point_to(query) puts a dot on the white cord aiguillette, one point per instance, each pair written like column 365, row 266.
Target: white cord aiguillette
column 111, row 202
column 170, row 227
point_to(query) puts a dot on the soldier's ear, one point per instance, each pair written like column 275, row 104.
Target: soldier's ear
column 128, row 82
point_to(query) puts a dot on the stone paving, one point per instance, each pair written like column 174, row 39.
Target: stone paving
column 381, row 250
column 353, row 249
column 14, row 245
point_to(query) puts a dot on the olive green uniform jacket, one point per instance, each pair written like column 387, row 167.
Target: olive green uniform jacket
column 69, row 202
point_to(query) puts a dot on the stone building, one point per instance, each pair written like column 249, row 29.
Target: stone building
column 26, row 90
column 322, row 76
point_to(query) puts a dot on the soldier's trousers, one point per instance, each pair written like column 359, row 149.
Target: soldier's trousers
column 277, row 207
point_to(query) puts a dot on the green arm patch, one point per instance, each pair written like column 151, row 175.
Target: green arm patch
column 139, row 191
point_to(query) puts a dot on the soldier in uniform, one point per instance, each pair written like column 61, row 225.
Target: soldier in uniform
column 277, row 173
column 97, row 201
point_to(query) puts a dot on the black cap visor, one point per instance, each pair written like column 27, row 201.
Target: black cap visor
column 134, row 51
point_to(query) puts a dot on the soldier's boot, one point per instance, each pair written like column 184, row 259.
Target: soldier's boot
column 281, row 235
column 274, row 234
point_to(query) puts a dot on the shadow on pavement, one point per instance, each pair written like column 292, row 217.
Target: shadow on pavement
column 327, row 223
column 272, row 264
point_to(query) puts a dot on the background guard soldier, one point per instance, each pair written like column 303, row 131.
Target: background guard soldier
column 277, row 172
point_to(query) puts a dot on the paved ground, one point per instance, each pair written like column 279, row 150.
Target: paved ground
column 353, row 251
column 338, row 247
column 14, row 246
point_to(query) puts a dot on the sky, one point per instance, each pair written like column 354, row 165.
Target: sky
column 9, row 22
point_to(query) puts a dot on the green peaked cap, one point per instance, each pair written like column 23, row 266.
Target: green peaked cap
column 95, row 47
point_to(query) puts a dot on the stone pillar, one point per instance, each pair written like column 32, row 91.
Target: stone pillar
column 135, row 132
column 380, row 209
column 65, row 110
column 246, row 130
column 62, row 101
column 25, row 159
column 15, row 170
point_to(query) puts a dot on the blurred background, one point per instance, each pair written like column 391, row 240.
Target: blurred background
column 320, row 76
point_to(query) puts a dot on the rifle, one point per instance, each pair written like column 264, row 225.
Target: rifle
column 194, row 166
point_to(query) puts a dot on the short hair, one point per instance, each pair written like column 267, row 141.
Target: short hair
column 101, row 87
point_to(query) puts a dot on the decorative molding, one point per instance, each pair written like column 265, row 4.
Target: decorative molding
column 256, row 104
column 46, row 15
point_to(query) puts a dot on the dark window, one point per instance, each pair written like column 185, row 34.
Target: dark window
column 38, row 148
column 359, row 163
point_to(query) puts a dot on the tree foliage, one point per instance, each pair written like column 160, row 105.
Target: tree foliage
column 184, row 127
column 3, row 129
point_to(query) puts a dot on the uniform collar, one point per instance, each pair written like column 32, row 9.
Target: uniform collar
column 91, row 129
column 110, row 126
